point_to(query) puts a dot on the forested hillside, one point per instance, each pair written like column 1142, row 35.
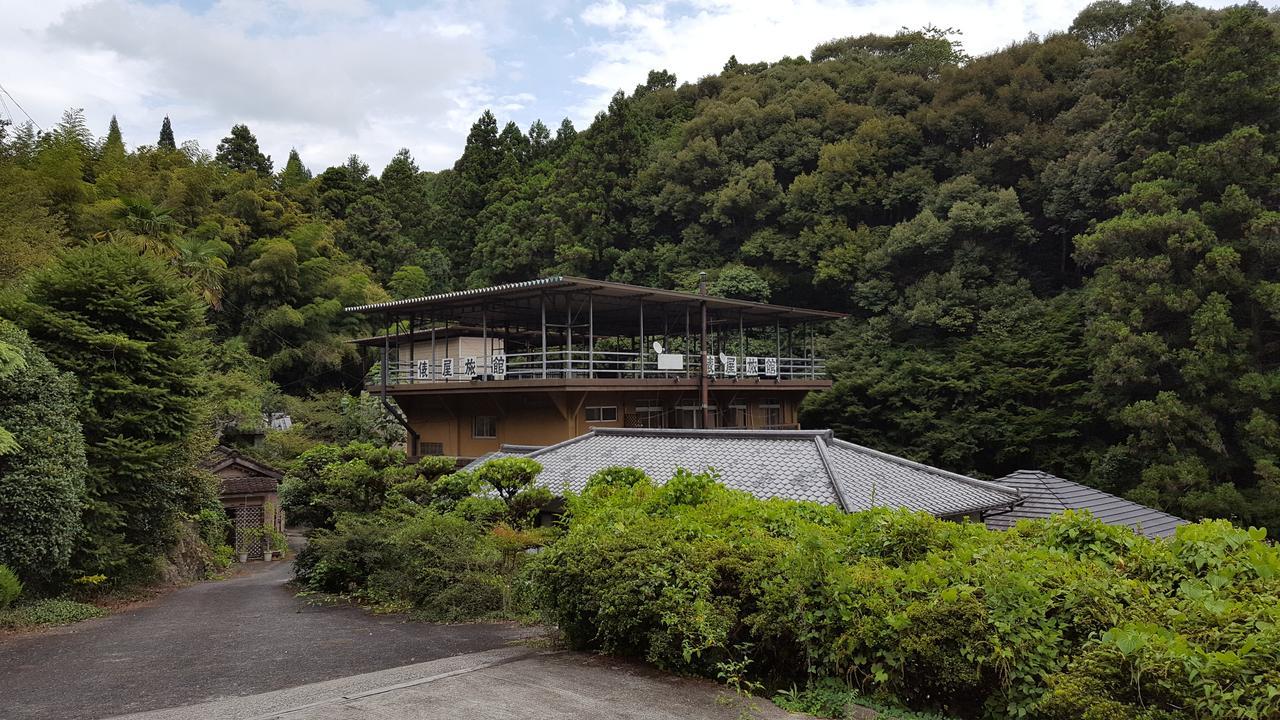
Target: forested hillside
column 1064, row 255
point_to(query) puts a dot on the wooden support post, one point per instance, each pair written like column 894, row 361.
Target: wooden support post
column 642, row 345
column 704, row 391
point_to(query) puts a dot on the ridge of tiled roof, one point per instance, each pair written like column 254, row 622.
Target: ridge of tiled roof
column 223, row 457
column 503, row 451
column 1047, row 494
column 791, row 464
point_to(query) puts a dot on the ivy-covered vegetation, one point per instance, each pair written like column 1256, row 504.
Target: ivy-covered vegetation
column 1065, row 618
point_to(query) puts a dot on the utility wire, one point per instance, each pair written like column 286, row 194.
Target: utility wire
column 19, row 106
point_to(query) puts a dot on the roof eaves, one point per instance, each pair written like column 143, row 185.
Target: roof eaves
column 391, row 304
column 564, row 443
column 974, row 482
column 712, row 433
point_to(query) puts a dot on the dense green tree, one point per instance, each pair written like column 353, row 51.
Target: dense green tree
column 295, row 174
column 127, row 325
column 112, row 153
column 239, row 151
column 409, row 281
column 42, row 469
column 166, row 141
column 1059, row 254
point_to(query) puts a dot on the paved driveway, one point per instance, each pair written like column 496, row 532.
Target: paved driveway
column 242, row 636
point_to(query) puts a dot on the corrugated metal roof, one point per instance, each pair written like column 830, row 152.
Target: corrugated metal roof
column 790, row 464
column 1049, row 494
column 472, row 292
column 601, row 290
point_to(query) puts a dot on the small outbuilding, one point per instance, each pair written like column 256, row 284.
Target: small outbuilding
column 250, row 497
column 1049, row 495
column 790, row 464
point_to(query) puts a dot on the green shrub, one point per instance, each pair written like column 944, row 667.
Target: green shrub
column 444, row 567
column 1052, row 619
column 42, row 481
column 355, row 478
column 213, row 526
column 10, row 587
column 47, row 612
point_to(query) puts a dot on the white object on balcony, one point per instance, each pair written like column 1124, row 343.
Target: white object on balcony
column 670, row 361
column 657, row 348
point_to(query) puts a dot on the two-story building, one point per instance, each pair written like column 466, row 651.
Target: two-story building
column 539, row 362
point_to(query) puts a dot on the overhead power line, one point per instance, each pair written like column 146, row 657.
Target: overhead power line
column 18, row 105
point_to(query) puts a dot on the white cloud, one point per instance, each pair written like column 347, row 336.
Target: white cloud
column 605, row 14
column 328, row 77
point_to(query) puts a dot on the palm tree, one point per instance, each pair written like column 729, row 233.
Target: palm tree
column 200, row 260
column 153, row 225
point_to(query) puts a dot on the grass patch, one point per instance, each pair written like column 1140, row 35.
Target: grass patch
column 43, row 613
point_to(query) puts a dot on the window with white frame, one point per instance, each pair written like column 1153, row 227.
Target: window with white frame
column 602, row 413
column 484, row 426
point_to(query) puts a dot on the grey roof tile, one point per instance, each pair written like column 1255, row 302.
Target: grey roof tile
column 1049, row 494
column 794, row 465
column 504, row 451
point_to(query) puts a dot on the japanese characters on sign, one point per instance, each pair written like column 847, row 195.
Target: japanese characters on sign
column 753, row 366
column 771, row 367
column 424, row 369
column 498, row 366
column 446, row 368
column 469, row 366
column 730, row 366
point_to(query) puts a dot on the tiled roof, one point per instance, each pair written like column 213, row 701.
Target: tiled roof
column 248, row 484
column 791, row 464
column 502, row 452
column 871, row 478
column 1048, row 495
column 223, row 457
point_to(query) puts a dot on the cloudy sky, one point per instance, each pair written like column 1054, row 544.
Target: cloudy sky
column 332, row 77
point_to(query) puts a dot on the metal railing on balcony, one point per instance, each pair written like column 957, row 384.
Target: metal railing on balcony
column 583, row 364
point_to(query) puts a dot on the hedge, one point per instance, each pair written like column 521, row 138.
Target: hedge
column 42, row 481
column 1065, row 618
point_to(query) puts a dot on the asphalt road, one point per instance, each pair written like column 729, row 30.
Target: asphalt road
column 229, row 638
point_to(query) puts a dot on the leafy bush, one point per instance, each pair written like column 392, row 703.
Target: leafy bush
column 1052, row 619
column 415, row 538
column 357, row 477
column 42, row 480
column 444, row 567
column 48, row 612
column 10, row 587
